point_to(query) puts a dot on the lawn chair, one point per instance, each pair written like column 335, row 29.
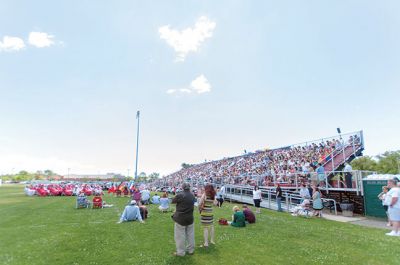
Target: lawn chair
column 97, row 202
column 306, row 212
column 329, row 205
column 82, row 202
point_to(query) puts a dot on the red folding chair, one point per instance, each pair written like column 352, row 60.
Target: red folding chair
column 97, row 202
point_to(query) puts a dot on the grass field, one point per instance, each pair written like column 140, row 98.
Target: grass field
column 49, row 230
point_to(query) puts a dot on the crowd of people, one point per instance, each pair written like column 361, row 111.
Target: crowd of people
column 265, row 167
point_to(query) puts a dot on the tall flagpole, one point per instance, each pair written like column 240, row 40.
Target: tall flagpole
column 137, row 142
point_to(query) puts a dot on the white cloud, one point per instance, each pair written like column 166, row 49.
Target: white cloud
column 199, row 85
column 40, row 39
column 11, row 44
column 171, row 91
column 189, row 39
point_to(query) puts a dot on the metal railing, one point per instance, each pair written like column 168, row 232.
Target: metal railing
column 244, row 195
column 330, row 181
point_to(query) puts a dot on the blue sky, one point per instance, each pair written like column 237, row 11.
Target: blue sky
column 211, row 79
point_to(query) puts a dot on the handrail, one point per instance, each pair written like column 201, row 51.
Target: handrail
column 269, row 193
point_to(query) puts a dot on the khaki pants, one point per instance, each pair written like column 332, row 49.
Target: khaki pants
column 184, row 239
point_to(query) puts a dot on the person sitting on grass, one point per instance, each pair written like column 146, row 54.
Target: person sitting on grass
column 136, row 195
column 155, row 199
column 131, row 213
column 145, row 196
column 164, row 203
column 302, row 208
column 144, row 213
column 238, row 218
column 248, row 214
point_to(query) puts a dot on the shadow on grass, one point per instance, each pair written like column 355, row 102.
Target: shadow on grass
column 200, row 256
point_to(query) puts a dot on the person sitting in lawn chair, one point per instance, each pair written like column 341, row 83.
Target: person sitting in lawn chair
column 82, row 201
column 303, row 209
column 97, row 201
column 126, row 191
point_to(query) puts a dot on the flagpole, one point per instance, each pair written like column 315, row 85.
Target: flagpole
column 137, row 142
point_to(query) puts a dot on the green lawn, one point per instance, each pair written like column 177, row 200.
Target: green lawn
column 50, row 230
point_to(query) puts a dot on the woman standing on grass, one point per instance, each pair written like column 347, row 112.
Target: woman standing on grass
column 385, row 203
column 392, row 198
column 206, row 213
column 257, row 198
column 317, row 202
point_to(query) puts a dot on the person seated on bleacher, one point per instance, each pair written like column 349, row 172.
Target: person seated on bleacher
column 164, row 203
column 238, row 218
column 248, row 214
column 131, row 213
column 303, row 208
column 155, row 199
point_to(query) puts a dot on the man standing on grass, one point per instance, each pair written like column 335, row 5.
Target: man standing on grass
column 183, row 217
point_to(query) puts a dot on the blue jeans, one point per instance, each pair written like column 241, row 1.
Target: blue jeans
column 278, row 201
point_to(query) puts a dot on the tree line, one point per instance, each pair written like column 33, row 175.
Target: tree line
column 386, row 163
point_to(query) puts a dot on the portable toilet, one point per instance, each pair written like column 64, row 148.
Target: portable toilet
column 372, row 185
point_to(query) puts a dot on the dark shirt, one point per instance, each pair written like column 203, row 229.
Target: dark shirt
column 278, row 192
column 310, row 190
column 249, row 215
column 184, row 208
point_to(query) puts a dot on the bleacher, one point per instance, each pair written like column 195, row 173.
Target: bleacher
column 288, row 165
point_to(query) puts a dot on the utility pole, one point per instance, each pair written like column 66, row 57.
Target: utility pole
column 137, row 142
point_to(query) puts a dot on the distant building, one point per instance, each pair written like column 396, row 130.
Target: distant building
column 108, row 176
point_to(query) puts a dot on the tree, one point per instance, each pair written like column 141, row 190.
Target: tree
column 389, row 162
column 142, row 177
column 386, row 163
column 153, row 176
column 22, row 176
column 364, row 163
column 186, row 165
column 48, row 172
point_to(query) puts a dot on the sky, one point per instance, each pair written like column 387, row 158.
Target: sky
column 211, row 78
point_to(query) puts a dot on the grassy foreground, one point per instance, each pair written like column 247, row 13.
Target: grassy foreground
column 49, row 230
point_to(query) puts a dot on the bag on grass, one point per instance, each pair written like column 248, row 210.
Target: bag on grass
column 223, row 221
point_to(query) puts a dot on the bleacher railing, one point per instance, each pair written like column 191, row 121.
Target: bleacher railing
column 343, row 137
column 291, row 199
